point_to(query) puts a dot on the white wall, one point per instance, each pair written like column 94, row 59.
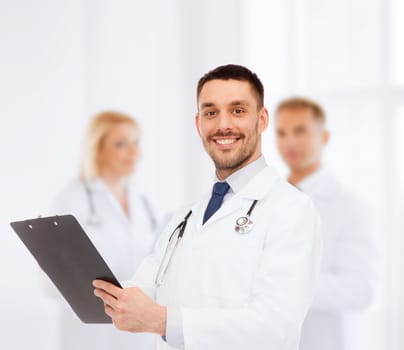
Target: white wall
column 42, row 99
column 62, row 61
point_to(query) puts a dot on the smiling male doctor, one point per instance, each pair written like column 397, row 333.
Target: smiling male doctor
column 225, row 289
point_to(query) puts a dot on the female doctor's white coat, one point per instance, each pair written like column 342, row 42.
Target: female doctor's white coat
column 122, row 241
column 241, row 291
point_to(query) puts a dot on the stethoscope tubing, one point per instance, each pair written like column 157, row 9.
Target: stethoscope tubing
column 180, row 228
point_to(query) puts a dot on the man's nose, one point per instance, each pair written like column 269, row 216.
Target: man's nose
column 133, row 148
column 225, row 121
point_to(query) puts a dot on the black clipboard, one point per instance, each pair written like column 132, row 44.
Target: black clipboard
column 66, row 254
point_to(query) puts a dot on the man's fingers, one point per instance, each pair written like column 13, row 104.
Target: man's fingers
column 108, row 287
column 110, row 312
column 108, row 299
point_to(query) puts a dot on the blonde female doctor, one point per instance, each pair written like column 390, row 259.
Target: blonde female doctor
column 117, row 218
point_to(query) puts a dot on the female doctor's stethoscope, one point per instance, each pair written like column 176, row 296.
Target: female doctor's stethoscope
column 95, row 220
column 243, row 225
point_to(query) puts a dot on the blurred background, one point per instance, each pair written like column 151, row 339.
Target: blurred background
column 63, row 61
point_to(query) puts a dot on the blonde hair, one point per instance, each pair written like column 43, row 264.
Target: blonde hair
column 97, row 130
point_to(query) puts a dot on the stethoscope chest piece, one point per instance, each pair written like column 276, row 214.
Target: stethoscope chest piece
column 243, row 224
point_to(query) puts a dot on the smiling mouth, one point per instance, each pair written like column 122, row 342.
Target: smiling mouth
column 226, row 141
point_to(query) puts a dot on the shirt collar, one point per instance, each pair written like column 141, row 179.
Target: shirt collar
column 242, row 176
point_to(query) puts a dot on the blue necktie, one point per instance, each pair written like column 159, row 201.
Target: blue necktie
column 219, row 191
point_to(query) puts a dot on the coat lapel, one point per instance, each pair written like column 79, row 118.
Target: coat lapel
column 256, row 189
column 98, row 186
column 198, row 209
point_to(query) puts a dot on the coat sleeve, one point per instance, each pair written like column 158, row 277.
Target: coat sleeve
column 282, row 290
column 145, row 275
column 350, row 283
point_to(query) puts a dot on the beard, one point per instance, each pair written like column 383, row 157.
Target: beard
column 232, row 160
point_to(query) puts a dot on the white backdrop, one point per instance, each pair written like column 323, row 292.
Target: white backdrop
column 63, row 61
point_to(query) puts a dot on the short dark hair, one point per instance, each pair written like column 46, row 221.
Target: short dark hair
column 236, row 72
column 303, row 103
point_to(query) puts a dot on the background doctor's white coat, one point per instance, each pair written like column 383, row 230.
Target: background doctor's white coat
column 350, row 270
column 62, row 61
column 122, row 240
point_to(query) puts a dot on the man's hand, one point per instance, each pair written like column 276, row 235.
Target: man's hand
column 130, row 309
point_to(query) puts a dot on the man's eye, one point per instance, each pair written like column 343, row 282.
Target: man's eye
column 210, row 113
column 238, row 111
column 120, row 144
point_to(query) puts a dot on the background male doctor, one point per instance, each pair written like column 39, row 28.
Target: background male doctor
column 348, row 274
column 225, row 289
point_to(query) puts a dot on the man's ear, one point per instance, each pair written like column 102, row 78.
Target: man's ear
column 197, row 117
column 326, row 137
column 263, row 119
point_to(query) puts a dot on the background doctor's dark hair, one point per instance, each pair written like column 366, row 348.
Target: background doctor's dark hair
column 236, row 72
column 97, row 130
column 303, row 103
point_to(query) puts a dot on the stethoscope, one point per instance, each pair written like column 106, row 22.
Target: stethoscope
column 95, row 220
column 244, row 224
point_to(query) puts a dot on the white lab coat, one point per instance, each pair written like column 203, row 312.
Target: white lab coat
column 241, row 291
column 122, row 242
column 348, row 273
